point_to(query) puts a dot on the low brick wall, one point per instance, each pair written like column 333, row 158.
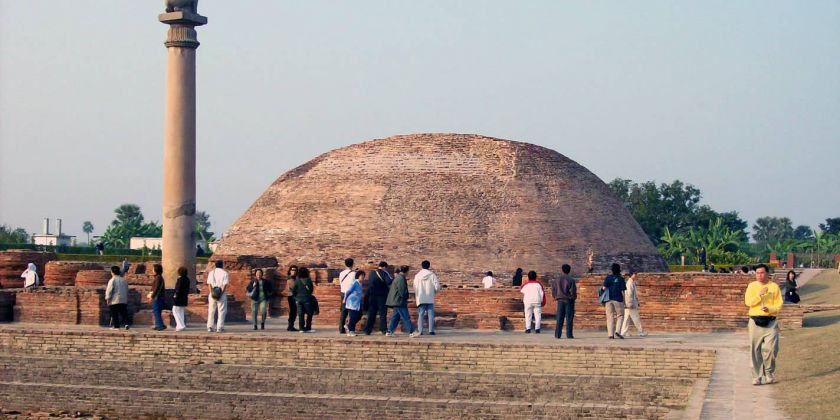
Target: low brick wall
column 63, row 273
column 14, row 262
column 666, row 392
column 340, row 353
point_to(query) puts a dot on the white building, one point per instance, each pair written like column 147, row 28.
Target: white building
column 52, row 239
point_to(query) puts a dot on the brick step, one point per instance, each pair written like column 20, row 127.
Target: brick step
column 330, row 352
column 241, row 403
column 670, row 393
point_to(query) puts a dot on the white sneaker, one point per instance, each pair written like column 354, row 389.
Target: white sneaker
column 180, row 329
column 209, row 330
column 414, row 334
column 389, row 334
column 310, row 331
column 771, row 379
column 642, row 334
column 351, row 334
column 757, row 381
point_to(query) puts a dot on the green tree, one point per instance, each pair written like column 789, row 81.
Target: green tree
column 202, row 226
column 803, row 233
column 87, row 227
column 129, row 222
column 831, row 225
column 13, row 236
column 772, row 229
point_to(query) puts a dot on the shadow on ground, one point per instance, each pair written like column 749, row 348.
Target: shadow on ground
column 821, row 320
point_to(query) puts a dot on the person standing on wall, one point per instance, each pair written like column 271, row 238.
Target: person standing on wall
column 488, row 281
column 398, row 302
column 426, row 286
column 217, row 280
column 564, row 292
column 30, row 277
column 353, row 302
column 379, row 284
column 260, row 291
column 764, row 298
column 631, row 307
column 116, row 294
column 158, row 298
column 292, row 274
column 533, row 298
column 182, row 292
column 302, row 290
column 125, row 265
column 345, row 279
column 614, row 303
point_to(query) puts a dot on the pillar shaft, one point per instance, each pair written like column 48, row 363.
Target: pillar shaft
column 179, row 148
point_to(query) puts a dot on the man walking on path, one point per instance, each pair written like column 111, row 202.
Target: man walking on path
column 631, row 308
column 345, row 280
column 217, row 281
column 564, row 291
column 764, row 298
column 615, row 287
column 398, row 302
column 379, row 281
column 426, row 285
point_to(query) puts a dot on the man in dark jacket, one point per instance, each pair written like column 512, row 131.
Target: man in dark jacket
column 398, row 301
column 379, row 282
column 614, row 285
column 261, row 291
column 564, row 291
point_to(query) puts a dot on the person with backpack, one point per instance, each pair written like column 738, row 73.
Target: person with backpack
column 379, row 283
column 564, row 292
column 217, row 281
column 533, row 298
column 345, row 280
column 398, row 302
column 612, row 297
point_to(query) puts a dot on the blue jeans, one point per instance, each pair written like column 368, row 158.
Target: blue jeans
column 157, row 307
column 422, row 310
column 397, row 313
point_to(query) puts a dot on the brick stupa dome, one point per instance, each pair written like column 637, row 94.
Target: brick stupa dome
column 467, row 203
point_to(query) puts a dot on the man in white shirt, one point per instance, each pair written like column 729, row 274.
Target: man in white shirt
column 488, row 281
column 345, row 280
column 217, row 278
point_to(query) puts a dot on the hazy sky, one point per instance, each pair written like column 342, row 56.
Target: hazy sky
column 741, row 99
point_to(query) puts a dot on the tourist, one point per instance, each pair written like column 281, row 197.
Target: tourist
column 345, row 280
column 379, row 283
column 158, row 297
column 791, row 296
column 398, row 301
column 517, row 278
column 701, row 254
column 292, row 274
column 100, row 248
column 199, row 251
column 614, row 287
column 564, row 292
column 182, row 292
column 125, row 265
column 712, row 268
column 30, row 277
column 426, row 285
column 260, row 291
column 217, row 280
column 764, row 299
column 745, row 269
column 116, row 295
column 353, row 302
column 631, row 307
column 488, row 281
column 302, row 290
column 533, row 297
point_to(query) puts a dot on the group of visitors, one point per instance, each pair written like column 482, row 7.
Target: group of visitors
column 385, row 292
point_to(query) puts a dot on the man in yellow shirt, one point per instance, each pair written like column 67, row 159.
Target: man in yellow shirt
column 765, row 301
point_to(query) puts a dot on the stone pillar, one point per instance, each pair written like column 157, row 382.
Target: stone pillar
column 178, row 246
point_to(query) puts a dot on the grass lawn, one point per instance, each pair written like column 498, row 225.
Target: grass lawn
column 808, row 366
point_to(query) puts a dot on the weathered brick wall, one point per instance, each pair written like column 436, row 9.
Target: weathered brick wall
column 63, row 273
column 668, row 301
column 13, row 262
column 467, row 203
column 92, row 278
column 358, row 380
column 339, row 353
column 7, row 304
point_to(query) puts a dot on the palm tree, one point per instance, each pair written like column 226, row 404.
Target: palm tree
column 87, row 227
